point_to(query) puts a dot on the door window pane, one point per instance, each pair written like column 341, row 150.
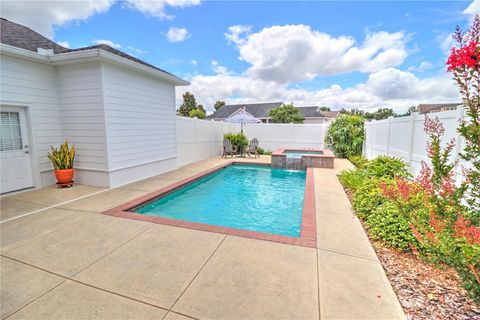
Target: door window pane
column 11, row 137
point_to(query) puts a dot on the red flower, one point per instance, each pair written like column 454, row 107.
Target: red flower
column 464, row 57
column 464, row 229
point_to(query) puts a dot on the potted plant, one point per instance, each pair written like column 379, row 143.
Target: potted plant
column 62, row 160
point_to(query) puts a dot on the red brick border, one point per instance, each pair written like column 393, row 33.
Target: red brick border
column 308, row 229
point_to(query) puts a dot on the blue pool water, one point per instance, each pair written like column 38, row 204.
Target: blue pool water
column 248, row 197
column 299, row 154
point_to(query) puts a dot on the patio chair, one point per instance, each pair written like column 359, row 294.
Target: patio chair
column 253, row 148
column 228, row 149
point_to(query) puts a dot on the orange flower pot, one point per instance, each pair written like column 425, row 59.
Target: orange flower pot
column 64, row 176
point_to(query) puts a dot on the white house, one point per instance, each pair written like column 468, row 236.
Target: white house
column 119, row 112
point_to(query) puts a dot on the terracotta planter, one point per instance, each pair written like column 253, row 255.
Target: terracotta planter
column 64, row 176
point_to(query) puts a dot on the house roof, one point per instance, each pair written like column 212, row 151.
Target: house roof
column 425, row 108
column 261, row 110
column 258, row 110
column 22, row 37
column 313, row 112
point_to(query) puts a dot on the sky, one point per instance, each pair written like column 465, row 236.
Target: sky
column 350, row 54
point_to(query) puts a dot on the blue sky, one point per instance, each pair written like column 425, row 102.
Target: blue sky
column 302, row 52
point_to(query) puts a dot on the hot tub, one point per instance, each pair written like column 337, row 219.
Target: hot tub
column 300, row 159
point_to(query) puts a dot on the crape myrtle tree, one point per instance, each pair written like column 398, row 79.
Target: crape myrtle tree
column 464, row 64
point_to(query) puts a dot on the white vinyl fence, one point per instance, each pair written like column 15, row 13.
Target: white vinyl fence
column 404, row 138
column 202, row 139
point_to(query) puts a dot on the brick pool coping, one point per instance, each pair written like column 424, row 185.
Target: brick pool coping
column 308, row 229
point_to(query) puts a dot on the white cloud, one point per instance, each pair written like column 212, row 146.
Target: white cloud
column 388, row 87
column 108, row 43
column 193, row 62
column 473, row 8
column 177, row 34
column 423, row 66
column 42, row 16
column 293, row 53
column 64, row 44
column 236, row 32
column 157, row 8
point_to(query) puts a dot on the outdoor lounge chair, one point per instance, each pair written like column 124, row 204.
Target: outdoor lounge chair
column 253, row 148
column 228, row 149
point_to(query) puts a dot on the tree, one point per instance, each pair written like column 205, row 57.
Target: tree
column 346, row 134
column 463, row 62
column 189, row 103
column 218, row 105
column 353, row 112
column 202, row 108
column 324, row 109
column 197, row 113
column 383, row 113
column 286, row 113
column 411, row 110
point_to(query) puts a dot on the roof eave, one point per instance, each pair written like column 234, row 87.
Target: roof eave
column 90, row 55
column 102, row 55
column 9, row 50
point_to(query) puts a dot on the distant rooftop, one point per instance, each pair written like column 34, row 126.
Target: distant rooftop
column 426, row 108
column 261, row 110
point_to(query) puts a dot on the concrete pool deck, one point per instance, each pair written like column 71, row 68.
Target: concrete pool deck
column 70, row 262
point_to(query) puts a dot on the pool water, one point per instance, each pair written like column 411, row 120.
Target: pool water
column 299, row 154
column 256, row 198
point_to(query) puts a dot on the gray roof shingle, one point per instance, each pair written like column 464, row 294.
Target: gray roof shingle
column 22, row 37
column 261, row 110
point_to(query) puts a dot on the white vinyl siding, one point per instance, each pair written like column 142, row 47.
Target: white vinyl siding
column 82, row 113
column 35, row 85
column 140, row 117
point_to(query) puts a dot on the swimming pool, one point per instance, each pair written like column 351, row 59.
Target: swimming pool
column 247, row 197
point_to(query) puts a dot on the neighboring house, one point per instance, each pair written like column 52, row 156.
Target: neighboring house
column 261, row 111
column 439, row 107
column 118, row 111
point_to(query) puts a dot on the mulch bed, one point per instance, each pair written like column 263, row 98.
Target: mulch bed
column 424, row 291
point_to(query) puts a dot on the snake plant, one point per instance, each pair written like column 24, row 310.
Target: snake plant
column 63, row 157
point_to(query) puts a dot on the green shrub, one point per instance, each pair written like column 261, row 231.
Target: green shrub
column 358, row 161
column 263, row 151
column 352, row 179
column 346, row 134
column 237, row 139
column 197, row 113
column 367, row 198
column 388, row 224
column 386, row 167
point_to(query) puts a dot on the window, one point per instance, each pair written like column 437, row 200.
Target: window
column 11, row 137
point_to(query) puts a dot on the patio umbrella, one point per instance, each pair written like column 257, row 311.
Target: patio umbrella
column 242, row 116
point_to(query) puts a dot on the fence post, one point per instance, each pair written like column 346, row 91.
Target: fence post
column 374, row 136
column 212, row 136
column 458, row 138
column 389, row 132
column 413, row 117
column 195, row 119
column 292, row 141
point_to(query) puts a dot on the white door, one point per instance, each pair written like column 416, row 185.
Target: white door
column 15, row 158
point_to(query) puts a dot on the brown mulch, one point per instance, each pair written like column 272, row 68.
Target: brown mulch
column 424, row 290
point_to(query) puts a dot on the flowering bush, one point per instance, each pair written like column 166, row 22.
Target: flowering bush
column 464, row 63
column 433, row 205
